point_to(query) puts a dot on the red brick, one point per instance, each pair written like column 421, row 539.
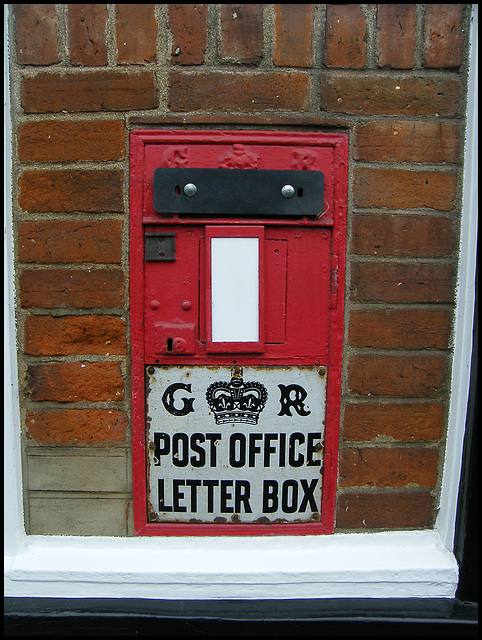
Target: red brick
column 399, row 282
column 346, row 34
column 402, row 235
column 87, row 30
column 74, row 335
column 293, row 44
column 393, row 95
column 401, row 375
column 412, row 422
column 385, row 510
column 136, row 33
column 77, row 426
column 443, row 36
column 388, row 467
column 80, row 289
column 69, row 141
column 399, row 328
column 71, row 190
column 100, row 90
column 36, row 33
column 405, row 189
column 407, row 141
column 241, row 32
column 75, row 382
column 241, row 91
column 397, row 31
column 56, row 241
column 188, row 24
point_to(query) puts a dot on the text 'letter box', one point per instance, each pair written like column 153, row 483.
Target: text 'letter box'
column 237, row 253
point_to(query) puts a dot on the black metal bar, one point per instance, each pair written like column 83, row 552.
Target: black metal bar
column 233, row 192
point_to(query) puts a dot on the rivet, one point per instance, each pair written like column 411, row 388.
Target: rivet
column 186, row 305
column 288, row 191
column 190, row 189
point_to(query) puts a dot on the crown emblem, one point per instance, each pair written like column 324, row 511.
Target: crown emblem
column 236, row 401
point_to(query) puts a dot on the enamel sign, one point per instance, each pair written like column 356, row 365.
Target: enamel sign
column 235, row 444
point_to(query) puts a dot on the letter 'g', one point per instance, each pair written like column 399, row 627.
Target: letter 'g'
column 168, row 399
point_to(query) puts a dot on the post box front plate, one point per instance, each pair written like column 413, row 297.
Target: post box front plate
column 240, row 445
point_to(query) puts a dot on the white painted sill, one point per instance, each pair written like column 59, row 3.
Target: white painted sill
column 380, row 565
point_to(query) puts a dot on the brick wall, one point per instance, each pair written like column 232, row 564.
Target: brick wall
column 392, row 76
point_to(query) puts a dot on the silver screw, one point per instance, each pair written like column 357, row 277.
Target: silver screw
column 288, row 191
column 190, row 189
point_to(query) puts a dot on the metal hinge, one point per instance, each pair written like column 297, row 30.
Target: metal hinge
column 334, row 281
column 326, row 477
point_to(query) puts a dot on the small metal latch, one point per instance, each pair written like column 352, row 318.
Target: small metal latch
column 160, row 246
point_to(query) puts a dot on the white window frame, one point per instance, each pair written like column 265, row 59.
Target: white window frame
column 368, row 565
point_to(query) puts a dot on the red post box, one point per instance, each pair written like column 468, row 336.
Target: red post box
column 237, row 254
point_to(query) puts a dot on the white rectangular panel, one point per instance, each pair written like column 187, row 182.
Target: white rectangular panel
column 235, row 289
